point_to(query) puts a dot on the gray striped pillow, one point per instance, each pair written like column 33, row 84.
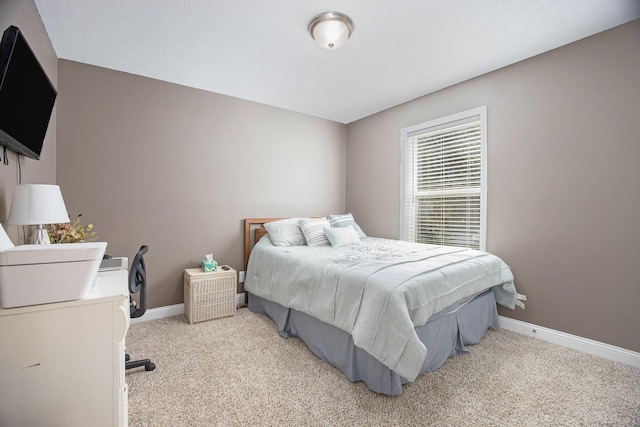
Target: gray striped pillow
column 313, row 230
column 346, row 220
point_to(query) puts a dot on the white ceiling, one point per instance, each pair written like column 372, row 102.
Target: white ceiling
column 260, row 49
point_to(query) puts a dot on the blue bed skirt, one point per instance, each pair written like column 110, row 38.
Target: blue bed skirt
column 445, row 334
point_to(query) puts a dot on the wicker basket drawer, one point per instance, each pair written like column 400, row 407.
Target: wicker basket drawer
column 209, row 295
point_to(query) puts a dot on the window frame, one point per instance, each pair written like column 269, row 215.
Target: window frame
column 479, row 113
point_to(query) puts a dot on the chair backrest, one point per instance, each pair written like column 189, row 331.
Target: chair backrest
column 138, row 282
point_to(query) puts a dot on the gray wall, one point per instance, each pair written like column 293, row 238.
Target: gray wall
column 24, row 15
column 563, row 179
column 150, row 162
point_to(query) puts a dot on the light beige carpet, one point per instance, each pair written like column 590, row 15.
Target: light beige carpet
column 238, row 371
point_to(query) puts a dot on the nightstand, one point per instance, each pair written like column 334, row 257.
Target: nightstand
column 209, row 295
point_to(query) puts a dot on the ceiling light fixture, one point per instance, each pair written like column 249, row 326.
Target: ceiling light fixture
column 331, row 30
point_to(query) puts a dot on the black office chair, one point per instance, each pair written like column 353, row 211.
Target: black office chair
column 138, row 283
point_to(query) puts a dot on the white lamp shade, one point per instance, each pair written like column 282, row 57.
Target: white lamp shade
column 37, row 204
column 331, row 34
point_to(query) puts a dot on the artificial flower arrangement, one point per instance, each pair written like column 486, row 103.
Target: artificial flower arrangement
column 71, row 232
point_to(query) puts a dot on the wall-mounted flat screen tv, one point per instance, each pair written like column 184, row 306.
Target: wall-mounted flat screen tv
column 26, row 96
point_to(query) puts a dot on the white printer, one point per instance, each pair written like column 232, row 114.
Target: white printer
column 40, row 274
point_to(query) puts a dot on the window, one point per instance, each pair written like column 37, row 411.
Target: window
column 444, row 181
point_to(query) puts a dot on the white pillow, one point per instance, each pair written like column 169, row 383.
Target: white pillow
column 346, row 220
column 285, row 232
column 342, row 236
column 313, row 230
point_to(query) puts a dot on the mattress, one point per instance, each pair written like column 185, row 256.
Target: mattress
column 378, row 291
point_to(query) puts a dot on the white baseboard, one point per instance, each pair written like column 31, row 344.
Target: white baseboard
column 160, row 312
column 239, row 299
column 607, row 351
column 172, row 310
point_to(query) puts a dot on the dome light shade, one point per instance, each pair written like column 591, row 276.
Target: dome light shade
column 331, row 30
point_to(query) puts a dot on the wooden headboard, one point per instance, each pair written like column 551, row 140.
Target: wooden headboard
column 255, row 225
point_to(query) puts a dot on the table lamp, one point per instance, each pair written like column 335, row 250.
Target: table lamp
column 37, row 204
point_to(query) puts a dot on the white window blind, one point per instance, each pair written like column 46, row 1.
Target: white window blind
column 443, row 182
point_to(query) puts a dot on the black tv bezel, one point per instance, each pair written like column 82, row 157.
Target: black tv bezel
column 9, row 40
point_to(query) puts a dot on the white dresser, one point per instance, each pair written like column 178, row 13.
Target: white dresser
column 62, row 364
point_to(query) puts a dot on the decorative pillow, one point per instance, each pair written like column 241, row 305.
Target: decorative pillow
column 285, row 232
column 313, row 230
column 342, row 236
column 346, row 220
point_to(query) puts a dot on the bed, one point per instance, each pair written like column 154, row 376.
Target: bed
column 381, row 311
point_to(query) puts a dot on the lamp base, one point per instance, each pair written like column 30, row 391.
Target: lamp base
column 41, row 236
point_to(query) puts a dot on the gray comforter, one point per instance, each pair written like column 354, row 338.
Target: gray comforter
column 377, row 291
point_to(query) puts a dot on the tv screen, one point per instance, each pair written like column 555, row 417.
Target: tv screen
column 26, row 96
